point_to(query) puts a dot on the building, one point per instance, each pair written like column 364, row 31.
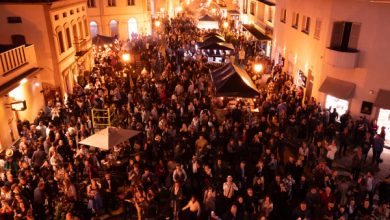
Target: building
column 336, row 50
column 59, row 31
column 120, row 18
column 258, row 19
column 20, row 89
column 46, row 45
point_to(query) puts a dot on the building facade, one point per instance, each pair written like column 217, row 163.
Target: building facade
column 21, row 94
column 51, row 46
column 59, row 31
column 120, row 18
column 336, row 51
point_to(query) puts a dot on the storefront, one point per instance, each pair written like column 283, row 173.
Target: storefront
column 338, row 94
column 383, row 103
column 265, row 41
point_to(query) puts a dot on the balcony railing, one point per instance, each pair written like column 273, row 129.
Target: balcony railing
column 12, row 59
column 342, row 59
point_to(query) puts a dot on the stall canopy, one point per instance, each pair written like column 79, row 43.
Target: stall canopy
column 207, row 22
column 211, row 34
column 232, row 81
column 101, row 39
column 256, row 32
column 109, row 137
column 218, row 46
column 383, row 99
column 213, row 39
column 267, row 2
column 338, row 88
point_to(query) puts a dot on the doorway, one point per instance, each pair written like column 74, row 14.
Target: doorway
column 132, row 27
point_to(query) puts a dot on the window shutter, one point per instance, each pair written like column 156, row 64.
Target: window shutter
column 337, row 34
column 354, row 36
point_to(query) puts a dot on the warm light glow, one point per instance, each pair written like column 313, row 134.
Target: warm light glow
column 162, row 10
column 258, row 67
column 17, row 93
column 179, row 8
column 23, row 81
column 213, row 10
column 37, row 84
column 225, row 24
column 245, row 19
column 157, row 23
column 126, row 57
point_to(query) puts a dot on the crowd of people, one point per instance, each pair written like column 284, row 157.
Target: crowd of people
column 191, row 159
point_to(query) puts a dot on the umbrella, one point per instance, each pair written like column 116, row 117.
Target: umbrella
column 109, row 137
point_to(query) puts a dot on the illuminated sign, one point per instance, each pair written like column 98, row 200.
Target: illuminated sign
column 19, row 106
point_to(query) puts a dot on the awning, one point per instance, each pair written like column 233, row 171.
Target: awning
column 233, row 12
column 269, row 3
column 218, row 46
column 213, row 39
column 207, row 18
column 383, row 99
column 256, row 32
column 232, row 81
column 338, row 88
column 101, row 40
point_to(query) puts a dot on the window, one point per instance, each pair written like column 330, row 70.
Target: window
column 18, row 39
column 75, row 33
column 14, row 20
column 345, row 36
column 85, row 27
column 111, row 3
column 306, row 25
column 77, row 10
column 317, row 30
column 245, row 6
column 68, row 37
column 130, row 2
column 252, row 8
column 114, row 28
column 82, row 8
column 71, row 12
column 64, row 15
column 60, row 42
column 56, row 17
column 283, row 16
column 81, row 29
column 91, row 3
column 93, row 28
column 132, row 27
column 270, row 14
column 295, row 20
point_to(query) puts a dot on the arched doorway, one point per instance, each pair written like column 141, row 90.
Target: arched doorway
column 114, row 28
column 93, row 28
column 132, row 27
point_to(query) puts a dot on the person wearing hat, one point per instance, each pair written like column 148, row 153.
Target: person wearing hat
column 11, row 164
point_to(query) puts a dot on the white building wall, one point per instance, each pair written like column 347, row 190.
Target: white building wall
column 305, row 52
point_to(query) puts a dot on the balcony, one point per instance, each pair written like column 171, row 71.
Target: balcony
column 11, row 58
column 15, row 61
column 342, row 59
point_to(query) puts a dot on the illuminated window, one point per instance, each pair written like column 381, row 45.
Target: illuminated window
column 93, row 28
column 340, row 105
column 114, row 28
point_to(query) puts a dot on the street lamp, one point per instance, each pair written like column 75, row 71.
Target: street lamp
column 225, row 24
column 258, row 67
column 126, row 57
column 157, row 23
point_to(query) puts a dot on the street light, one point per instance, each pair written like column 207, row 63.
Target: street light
column 258, row 67
column 225, row 24
column 126, row 57
column 157, row 23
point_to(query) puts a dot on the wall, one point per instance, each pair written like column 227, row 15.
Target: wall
column 305, row 52
column 103, row 14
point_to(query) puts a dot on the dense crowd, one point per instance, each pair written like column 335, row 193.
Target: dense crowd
column 192, row 159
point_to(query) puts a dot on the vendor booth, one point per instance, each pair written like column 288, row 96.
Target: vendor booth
column 100, row 40
column 207, row 22
column 232, row 81
column 217, row 52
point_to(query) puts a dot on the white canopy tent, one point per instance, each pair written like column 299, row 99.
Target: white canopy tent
column 207, row 22
column 109, row 137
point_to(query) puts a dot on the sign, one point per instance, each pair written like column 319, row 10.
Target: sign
column 19, row 106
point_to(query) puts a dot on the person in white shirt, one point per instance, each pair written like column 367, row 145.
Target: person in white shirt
column 228, row 190
column 330, row 155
